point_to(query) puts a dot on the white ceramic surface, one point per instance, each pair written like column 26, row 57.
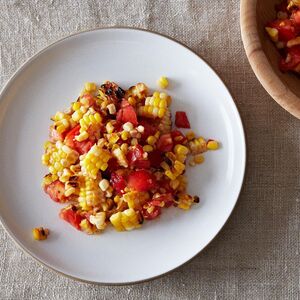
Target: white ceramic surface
column 49, row 82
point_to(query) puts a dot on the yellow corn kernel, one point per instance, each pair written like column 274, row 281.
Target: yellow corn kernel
column 125, row 135
column 148, row 148
column 170, row 174
column 151, row 140
column 174, row 184
column 134, row 142
column 198, row 159
column 77, row 115
column 212, row 145
column 82, row 136
column 165, row 166
column 76, row 105
column 40, row 233
column 273, row 33
column 179, row 166
column 121, row 157
column 113, row 138
column 161, row 112
column 124, row 148
column 190, row 135
column 109, row 127
column 116, row 221
column 180, row 149
column 163, row 82
column 132, row 101
column 87, row 227
column 90, row 86
column 99, row 220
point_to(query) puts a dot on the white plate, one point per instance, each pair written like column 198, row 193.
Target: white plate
column 49, row 82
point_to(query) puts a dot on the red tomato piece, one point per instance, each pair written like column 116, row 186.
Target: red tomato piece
column 80, row 147
column 165, row 143
column 127, row 114
column 118, row 182
column 181, row 120
column 149, row 128
column 56, row 191
column 294, row 59
column 167, row 200
column 141, row 181
column 178, row 137
column 286, row 29
column 153, row 214
column 71, row 216
column 135, row 158
column 155, row 158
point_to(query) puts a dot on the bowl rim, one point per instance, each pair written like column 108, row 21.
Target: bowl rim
column 259, row 62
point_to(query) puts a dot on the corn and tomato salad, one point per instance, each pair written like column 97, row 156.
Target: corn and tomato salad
column 114, row 157
column 284, row 31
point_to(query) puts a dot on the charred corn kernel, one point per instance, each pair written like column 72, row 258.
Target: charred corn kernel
column 179, row 166
column 121, row 158
column 93, row 161
column 190, row 135
column 111, row 108
column 128, row 126
column 180, row 149
column 124, row 148
column 273, row 33
column 165, row 166
column 151, row 140
column 140, row 128
column 40, row 233
column 212, row 145
column 163, row 82
column 109, row 127
column 48, row 179
column 87, row 227
column 82, row 136
column 104, row 184
column 185, row 201
column 170, row 174
column 134, row 142
column 198, row 159
column 197, row 146
column 148, row 148
column 99, row 220
column 125, row 135
column 174, row 184
column 90, row 86
column 125, row 220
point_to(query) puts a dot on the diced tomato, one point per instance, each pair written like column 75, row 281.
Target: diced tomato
column 165, row 185
column 155, row 157
column 149, row 128
column 293, row 59
column 54, row 136
column 167, row 200
column 178, row 137
column 56, row 191
column 141, row 181
column 181, row 120
column 80, row 147
column 124, row 103
column 127, row 114
column 156, row 211
column 118, row 182
column 135, row 158
column 165, row 143
column 71, row 216
column 286, row 29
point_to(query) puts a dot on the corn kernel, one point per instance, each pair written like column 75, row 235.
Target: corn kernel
column 163, row 82
column 104, row 184
column 111, row 108
column 109, row 127
column 180, row 149
column 170, row 175
column 90, row 86
column 190, row 135
column 124, row 147
column 273, row 33
column 140, row 128
column 125, row 135
column 165, row 166
column 151, row 140
column 148, row 148
column 198, row 159
column 134, row 142
column 212, row 145
column 128, row 126
column 82, row 136
column 40, row 233
column 131, row 101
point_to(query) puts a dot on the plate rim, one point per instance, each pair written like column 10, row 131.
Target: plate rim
column 245, row 155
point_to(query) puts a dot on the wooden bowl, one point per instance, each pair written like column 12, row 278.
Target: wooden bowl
column 263, row 55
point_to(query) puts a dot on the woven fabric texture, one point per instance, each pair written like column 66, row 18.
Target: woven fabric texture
column 256, row 255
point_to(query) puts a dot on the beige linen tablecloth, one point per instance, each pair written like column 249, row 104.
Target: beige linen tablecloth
column 256, row 256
